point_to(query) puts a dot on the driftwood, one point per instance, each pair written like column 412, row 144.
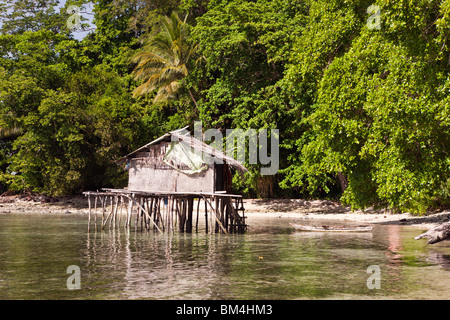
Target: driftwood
column 437, row 234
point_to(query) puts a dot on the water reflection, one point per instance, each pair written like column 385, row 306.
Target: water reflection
column 159, row 266
column 276, row 263
column 271, row 261
column 395, row 259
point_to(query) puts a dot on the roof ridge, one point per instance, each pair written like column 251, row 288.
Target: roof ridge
column 199, row 145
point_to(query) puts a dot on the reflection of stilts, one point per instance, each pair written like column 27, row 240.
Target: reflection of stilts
column 168, row 211
column 120, row 263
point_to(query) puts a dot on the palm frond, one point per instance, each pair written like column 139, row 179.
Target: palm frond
column 162, row 63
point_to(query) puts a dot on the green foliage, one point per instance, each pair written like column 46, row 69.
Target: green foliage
column 30, row 15
column 245, row 46
column 379, row 112
column 363, row 112
column 73, row 120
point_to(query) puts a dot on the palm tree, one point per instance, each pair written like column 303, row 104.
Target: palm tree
column 162, row 64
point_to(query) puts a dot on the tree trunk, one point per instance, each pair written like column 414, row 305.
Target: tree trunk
column 343, row 182
column 436, row 234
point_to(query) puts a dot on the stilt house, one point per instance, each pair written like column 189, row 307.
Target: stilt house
column 177, row 162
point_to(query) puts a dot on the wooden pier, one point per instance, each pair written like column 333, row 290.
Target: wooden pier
column 166, row 211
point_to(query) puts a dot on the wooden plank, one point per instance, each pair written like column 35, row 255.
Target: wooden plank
column 159, row 193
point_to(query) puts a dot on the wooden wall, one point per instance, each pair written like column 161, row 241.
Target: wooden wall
column 148, row 172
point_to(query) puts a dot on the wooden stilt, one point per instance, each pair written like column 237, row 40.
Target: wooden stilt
column 130, row 207
column 147, row 206
column 103, row 200
column 138, row 213
column 168, row 212
column 171, row 214
column 183, row 221
column 211, row 228
column 206, row 216
column 89, row 217
column 116, row 208
column 152, row 213
column 182, row 214
column 145, row 221
column 216, row 213
column 215, row 216
column 111, row 214
column 158, row 210
column 176, row 212
column 121, row 210
column 190, row 207
column 95, row 213
column 141, row 208
column 159, row 214
column 198, row 210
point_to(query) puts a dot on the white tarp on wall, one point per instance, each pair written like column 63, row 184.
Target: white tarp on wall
column 180, row 153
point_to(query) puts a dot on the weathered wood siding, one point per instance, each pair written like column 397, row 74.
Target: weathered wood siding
column 148, row 172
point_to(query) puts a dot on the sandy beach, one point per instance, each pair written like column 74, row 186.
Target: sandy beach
column 332, row 210
column 281, row 208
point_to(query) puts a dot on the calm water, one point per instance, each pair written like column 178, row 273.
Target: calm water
column 271, row 261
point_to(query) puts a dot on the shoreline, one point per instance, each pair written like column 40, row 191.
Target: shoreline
column 306, row 210
column 311, row 210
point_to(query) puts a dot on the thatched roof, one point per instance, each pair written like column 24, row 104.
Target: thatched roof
column 195, row 144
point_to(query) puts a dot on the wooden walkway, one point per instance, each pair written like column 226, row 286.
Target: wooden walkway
column 165, row 211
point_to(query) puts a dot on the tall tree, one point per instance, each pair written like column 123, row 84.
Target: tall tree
column 163, row 63
column 381, row 109
column 246, row 47
column 18, row 17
